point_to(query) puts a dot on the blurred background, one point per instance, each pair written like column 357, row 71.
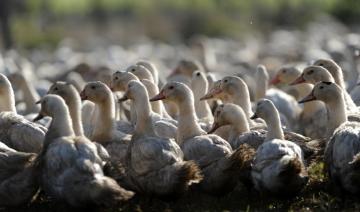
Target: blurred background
column 27, row 24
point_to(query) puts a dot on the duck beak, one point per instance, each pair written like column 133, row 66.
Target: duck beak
column 211, row 94
column 38, row 117
column 298, row 80
column 83, row 96
column 214, row 127
column 254, row 116
column 275, row 80
column 160, row 96
column 308, row 98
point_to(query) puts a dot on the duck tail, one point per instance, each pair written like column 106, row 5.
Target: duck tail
column 172, row 181
column 242, row 157
column 293, row 167
column 108, row 192
column 190, row 173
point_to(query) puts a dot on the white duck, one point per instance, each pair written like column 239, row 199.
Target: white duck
column 219, row 164
column 71, row 167
column 314, row 74
column 106, row 131
column 16, row 131
column 106, row 128
column 342, row 153
column 72, row 99
column 141, row 72
column 155, row 165
column 29, row 94
column 199, row 86
column 152, row 68
column 278, row 166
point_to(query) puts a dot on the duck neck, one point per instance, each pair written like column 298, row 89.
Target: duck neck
column 239, row 122
column 261, row 88
column 143, row 115
column 30, row 96
column 339, row 78
column 274, row 127
column 242, row 98
column 187, row 120
column 75, row 113
column 7, row 102
column 61, row 125
column 105, row 121
column 336, row 112
column 202, row 108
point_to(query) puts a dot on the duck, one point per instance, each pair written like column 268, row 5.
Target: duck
column 155, row 164
column 237, row 92
column 19, row 174
column 141, row 72
column 285, row 103
column 15, row 130
column 233, row 115
column 184, row 70
column 199, row 86
column 334, row 69
column 106, row 130
column 137, row 93
column 72, row 166
column 342, row 152
column 72, row 99
column 152, row 68
column 220, row 165
column 278, row 165
column 30, row 96
column 313, row 74
column 119, row 82
column 311, row 121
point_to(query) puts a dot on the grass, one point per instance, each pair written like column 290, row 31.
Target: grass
column 316, row 197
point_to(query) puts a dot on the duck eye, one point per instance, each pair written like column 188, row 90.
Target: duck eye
column 116, row 78
column 133, row 70
column 321, row 87
column 226, row 80
column 321, row 64
column 171, row 87
column 55, row 89
column 93, row 87
column 198, row 74
column 284, row 71
column 310, row 72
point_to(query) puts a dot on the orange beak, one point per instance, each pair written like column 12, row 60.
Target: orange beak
column 298, row 80
column 308, row 98
column 211, row 94
column 160, row 96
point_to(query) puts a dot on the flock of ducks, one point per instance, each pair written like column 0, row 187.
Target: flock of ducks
column 98, row 136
